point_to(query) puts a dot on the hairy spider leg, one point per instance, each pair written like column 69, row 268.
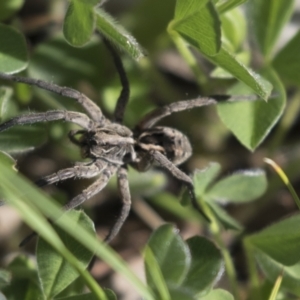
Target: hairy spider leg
column 93, row 189
column 123, row 186
column 80, row 170
column 53, row 115
column 155, row 116
column 90, row 107
column 125, row 92
column 167, row 164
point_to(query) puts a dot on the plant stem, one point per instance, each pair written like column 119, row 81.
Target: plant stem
column 188, row 56
column 229, row 266
column 254, row 280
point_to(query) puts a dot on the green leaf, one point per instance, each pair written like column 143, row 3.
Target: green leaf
column 89, row 296
column 281, row 241
column 171, row 254
column 206, row 266
column 268, row 18
column 198, row 23
column 251, row 121
column 243, row 186
column 9, row 7
column 33, row 202
column 287, row 61
column 203, row 178
column 154, row 275
column 24, row 284
column 218, row 294
column 117, row 34
column 228, row 5
column 234, row 29
column 32, row 137
column 272, row 269
column 54, row 271
column 178, row 294
column 13, row 50
column 79, row 23
column 222, row 216
column 228, row 62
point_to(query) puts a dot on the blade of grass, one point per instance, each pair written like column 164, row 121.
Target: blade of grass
column 18, row 187
column 39, row 223
column 284, row 178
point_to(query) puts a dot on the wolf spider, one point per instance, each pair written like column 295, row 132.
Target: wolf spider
column 112, row 146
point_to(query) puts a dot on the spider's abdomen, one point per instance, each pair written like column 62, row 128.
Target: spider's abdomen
column 169, row 141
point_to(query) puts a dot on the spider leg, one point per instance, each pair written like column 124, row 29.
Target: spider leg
column 165, row 163
column 153, row 117
column 123, row 186
column 93, row 189
column 91, row 108
column 125, row 92
column 52, row 115
column 81, row 170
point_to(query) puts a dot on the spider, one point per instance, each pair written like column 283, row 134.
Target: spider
column 111, row 146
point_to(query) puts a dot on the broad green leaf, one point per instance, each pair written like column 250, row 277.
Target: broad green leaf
column 206, row 266
column 154, row 275
column 272, row 269
column 218, row 294
column 243, row 186
column 281, row 241
column 21, row 139
column 198, row 23
column 24, row 284
column 228, row 62
column 30, row 204
column 226, row 220
column 203, row 178
column 171, row 254
column 287, row 61
column 54, row 271
column 9, row 7
column 13, row 50
column 218, row 72
column 178, row 294
column 117, row 34
column 233, row 29
column 89, row 296
column 251, row 121
column 268, row 18
column 225, row 6
column 79, row 23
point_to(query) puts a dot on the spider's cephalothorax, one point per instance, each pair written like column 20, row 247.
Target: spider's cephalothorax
column 112, row 146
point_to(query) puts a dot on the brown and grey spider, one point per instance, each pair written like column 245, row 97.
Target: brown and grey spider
column 112, row 146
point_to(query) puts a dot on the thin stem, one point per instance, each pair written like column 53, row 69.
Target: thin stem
column 188, row 56
column 229, row 266
column 254, row 279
